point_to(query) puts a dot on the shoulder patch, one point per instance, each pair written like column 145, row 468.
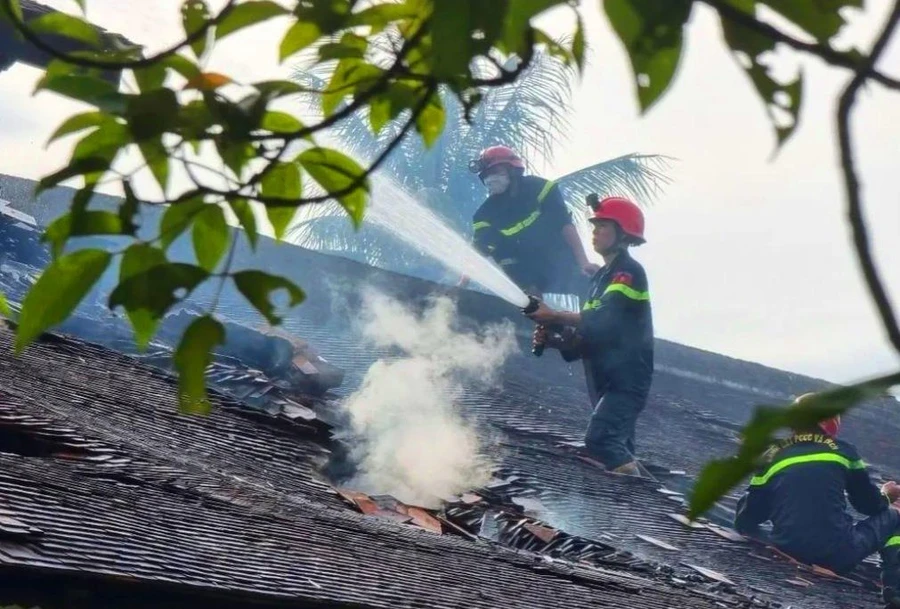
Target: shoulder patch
column 623, row 278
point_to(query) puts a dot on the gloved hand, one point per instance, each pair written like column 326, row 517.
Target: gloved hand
column 563, row 340
column 891, row 490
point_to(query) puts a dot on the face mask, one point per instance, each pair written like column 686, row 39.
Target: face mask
column 496, row 183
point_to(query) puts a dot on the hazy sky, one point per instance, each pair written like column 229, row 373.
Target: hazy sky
column 747, row 256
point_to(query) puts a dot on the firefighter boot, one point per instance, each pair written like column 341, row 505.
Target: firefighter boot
column 890, row 572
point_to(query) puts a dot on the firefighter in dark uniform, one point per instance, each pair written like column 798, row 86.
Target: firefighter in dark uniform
column 613, row 335
column 525, row 227
column 803, row 487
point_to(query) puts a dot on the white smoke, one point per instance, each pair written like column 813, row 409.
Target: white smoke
column 409, row 439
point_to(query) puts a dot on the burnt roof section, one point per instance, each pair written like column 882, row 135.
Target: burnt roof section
column 133, row 490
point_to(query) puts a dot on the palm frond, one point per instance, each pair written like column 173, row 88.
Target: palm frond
column 640, row 176
column 530, row 115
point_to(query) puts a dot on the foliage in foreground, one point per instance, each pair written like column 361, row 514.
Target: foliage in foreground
column 239, row 147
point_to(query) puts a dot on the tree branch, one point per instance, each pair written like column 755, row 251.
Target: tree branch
column 822, row 51
column 851, row 183
column 117, row 65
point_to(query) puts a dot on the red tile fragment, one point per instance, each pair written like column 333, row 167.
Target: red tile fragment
column 545, row 534
column 425, row 520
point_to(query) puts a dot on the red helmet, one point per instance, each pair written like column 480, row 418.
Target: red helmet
column 493, row 156
column 620, row 210
column 831, row 426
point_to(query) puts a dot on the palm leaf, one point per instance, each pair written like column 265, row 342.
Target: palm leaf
column 530, row 115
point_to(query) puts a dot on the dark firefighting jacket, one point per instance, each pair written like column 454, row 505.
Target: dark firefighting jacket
column 521, row 230
column 616, row 330
column 803, row 488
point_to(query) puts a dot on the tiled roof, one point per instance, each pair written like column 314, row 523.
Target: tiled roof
column 244, row 469
column 127, row 488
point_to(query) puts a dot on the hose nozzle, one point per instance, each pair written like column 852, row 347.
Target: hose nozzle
column 533, row 304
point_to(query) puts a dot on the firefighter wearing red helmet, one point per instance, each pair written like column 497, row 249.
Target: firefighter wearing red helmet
column 613, row 335
column 525, row 227
column 802, row 487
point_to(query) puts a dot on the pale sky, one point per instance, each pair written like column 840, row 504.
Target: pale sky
column 747, row 256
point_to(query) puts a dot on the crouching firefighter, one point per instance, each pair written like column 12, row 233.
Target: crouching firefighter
column 526, row 228
column 613, row 335
column 803, row 487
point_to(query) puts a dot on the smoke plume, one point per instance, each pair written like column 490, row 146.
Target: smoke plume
column 408, row 438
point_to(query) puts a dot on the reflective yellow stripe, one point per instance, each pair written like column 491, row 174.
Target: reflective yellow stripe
column 590, row 305
column 545, row 191
column 814, row 458
column 520, row 226
column 478, row 225
column 627, row 292
column 517, row 228
column 893, row 541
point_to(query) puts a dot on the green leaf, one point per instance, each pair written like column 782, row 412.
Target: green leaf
column 652, row 33
column 236, row 154
column 15, row 6
column 86, row 88
column 821, row 18
column 282, row 181
column 516, row 22
column 5, row 311
column 194, row 16
column 58, row 291
column 153, row 289
column 177, row 218
column 245, row 215
column 336, row 172
column 350, row 77
column 75, row 167
column 719, row 476
column 157, row 157
column 430, row 122
column 104, row 143
column 193, row 355
column 274, row 89
column 257, row 287
column 185, row 66
column 247, row 14
column 81, row 224
column 452, row 44
column 69, row 26
column 129, row 209
column 210, row 236
column 579, row 44
column 137, row 260
column 280, row 218
column 379, row 16
column 280, row 122
column 350, row 46
column 151, row 78
column 153, row 113
column 781, row 100
column 80, row 122
column 298, row 37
